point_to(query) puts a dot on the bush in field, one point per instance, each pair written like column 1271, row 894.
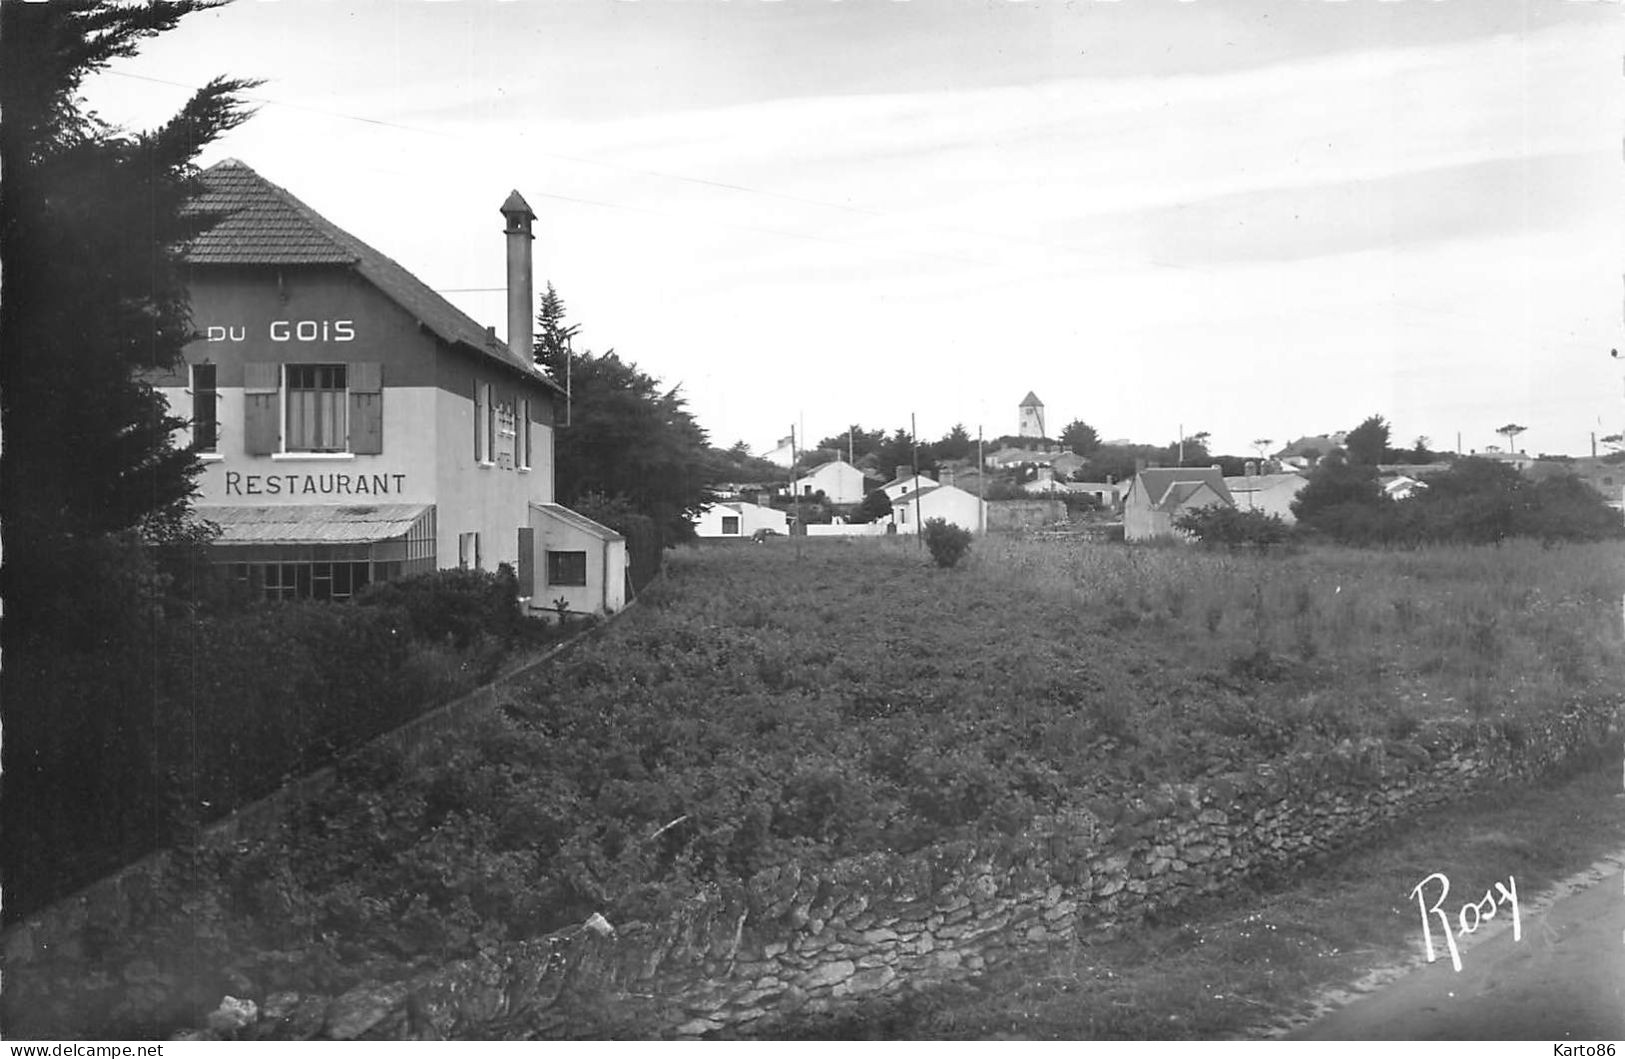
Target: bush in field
column 1220, row 524
column 947, row 542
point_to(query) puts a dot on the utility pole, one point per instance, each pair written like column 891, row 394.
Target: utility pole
column 1182, row 444
column 981, row 485
column 914, row 444
column 799, row 529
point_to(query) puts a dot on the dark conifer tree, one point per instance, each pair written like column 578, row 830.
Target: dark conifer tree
column 92, row 221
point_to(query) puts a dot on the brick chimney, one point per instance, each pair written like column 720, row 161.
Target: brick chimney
column 521, row 293
column 903, row 471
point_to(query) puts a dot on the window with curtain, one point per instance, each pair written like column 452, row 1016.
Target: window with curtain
column 316, row 408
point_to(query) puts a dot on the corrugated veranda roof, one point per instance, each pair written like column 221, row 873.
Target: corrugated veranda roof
column 311, row 523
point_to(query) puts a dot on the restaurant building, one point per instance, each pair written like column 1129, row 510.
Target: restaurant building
column 358, row 427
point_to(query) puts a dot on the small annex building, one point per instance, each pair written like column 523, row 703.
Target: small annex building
column 356, row 427
column 1159, row 495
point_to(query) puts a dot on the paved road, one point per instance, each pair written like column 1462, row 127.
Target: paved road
column 1563, row 981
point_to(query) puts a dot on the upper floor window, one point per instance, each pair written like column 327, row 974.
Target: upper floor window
column 205, row 415
column 290, row 408
column 316, row 408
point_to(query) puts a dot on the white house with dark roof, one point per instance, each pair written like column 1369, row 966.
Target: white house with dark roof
column 1159, row 495
column 356, row 426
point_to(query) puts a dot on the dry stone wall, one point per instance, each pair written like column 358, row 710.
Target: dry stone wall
column 792, row 943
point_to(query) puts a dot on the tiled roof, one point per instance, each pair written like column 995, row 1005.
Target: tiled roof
column 1030, row 401
column 1178, row 493
column 312, row 523
column 908, row 498
column 265, row 225
column 1155, row 481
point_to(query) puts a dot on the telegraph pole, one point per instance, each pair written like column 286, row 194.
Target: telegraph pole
column 794, row 492
column 981, row 485
column 914, row 439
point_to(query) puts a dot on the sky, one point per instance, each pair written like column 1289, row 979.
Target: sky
column 1255, row 219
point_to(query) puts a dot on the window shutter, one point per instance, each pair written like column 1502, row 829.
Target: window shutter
column 262, row 421
column 527, row 561
column 366, row 408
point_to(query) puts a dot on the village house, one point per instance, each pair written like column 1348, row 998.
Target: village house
column 906, row 481
column 839, row 481
column 913, row 509
column 739, row 519
column 1305, row 452
column 1158, row 496
column 357, row 427
column 1271, row 494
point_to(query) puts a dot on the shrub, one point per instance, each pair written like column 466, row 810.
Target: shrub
column 455, row 605
column 1219, row 524
column 947, row 542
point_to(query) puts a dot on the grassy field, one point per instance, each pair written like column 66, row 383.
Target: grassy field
column 810, row 701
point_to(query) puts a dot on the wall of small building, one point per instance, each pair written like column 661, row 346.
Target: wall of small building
column 1141, row 521
column 605, row 589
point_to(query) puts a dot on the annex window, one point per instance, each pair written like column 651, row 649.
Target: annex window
column 205, row 413
column 730, row 524
column 567, row 568
column 316, row 408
